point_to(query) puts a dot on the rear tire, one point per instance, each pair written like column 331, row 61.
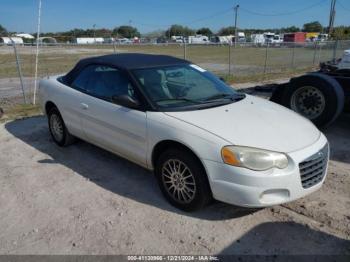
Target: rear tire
column 183, row 180
column 315, row 96
column 58, row 130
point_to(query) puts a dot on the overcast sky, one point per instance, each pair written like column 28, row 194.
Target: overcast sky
column 150, row 15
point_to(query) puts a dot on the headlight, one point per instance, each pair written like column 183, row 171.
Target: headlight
column 253, row 158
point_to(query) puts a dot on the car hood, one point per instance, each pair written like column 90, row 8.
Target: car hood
column 254, row 122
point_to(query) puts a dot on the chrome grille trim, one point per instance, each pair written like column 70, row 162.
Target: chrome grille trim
column 313, row 169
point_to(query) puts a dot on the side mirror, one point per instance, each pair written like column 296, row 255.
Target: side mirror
column 223, row 80
column 126, row 101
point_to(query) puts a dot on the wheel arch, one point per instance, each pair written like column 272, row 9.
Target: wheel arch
column 164, row 145
column 48, row 106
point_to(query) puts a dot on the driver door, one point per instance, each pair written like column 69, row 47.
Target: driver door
column 116, row 128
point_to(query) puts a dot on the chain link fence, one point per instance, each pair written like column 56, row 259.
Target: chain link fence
column 244, row 62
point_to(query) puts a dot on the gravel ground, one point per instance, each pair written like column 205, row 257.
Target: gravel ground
column 84, row 200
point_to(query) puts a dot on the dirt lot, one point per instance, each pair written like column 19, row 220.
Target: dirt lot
column 84, row 200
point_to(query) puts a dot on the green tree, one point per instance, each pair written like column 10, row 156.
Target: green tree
column 179, row 30
column 341, row 33
column 291, row 29
column 314, row 26
column 227, row 31
column 126, row 31
column 3, row 31
column 204, row 31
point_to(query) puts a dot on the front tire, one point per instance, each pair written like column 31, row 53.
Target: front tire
column 58, row 130
column 182, row 180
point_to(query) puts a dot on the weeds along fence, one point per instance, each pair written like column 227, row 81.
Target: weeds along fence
column 243, row 62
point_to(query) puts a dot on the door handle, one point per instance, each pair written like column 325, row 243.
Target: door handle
column 84, row 106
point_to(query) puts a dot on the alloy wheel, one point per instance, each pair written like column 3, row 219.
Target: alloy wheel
column 178, row 181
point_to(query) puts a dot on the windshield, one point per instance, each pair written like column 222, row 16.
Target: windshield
column 175, row 87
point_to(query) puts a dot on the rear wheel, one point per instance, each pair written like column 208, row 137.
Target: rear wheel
column 308, row 101
column 58, row 130
column 182, row 180
column 317, row 97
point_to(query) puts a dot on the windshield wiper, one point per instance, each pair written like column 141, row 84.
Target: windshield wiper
column 233, row 97
column 179, row 99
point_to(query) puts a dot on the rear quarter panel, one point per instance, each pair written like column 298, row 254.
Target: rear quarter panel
column 66, row 99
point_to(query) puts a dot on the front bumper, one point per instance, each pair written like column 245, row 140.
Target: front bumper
column 244, row 187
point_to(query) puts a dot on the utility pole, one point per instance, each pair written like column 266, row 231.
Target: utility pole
column 37, row 52
column 94, row 27
column 331, row 17
column 236, row 18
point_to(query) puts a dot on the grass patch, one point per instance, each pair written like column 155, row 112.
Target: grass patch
column 244, row 60
column 261, row 77
column 20, row 111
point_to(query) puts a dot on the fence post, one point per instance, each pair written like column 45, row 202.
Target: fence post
column 293, row 56
column 114, row 49
column 19, row 71
column 229, row 59
column 335, row 46
column 319, row 54
column 266, row 58
column 315, row 51
column 185, row 51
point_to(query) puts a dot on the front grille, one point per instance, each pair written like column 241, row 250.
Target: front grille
column 313, row 169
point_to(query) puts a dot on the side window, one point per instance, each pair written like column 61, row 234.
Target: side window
column 103, row 82
column 81, row 81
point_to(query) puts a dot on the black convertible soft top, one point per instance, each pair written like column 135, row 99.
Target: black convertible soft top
column 124, row 61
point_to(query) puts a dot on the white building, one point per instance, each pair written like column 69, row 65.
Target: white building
column 9, row 41
column 47, row 40
column 26, row 36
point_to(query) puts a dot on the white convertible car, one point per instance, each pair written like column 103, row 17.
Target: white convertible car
column 203, row 139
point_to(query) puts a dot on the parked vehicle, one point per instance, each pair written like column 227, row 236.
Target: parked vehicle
column 177, row 39
column 311, row 36
column 322, row 37
column 298, row 37
column 258, row 39
column 268, row 36
column 241, row 37
column 228, row 39
column 198, row 39
column 319, row 96
column 202, row 138
column 161, row 40
column 124, row 41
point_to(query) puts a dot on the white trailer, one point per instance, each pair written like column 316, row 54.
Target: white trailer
column 89, row 40
column 198, row 39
